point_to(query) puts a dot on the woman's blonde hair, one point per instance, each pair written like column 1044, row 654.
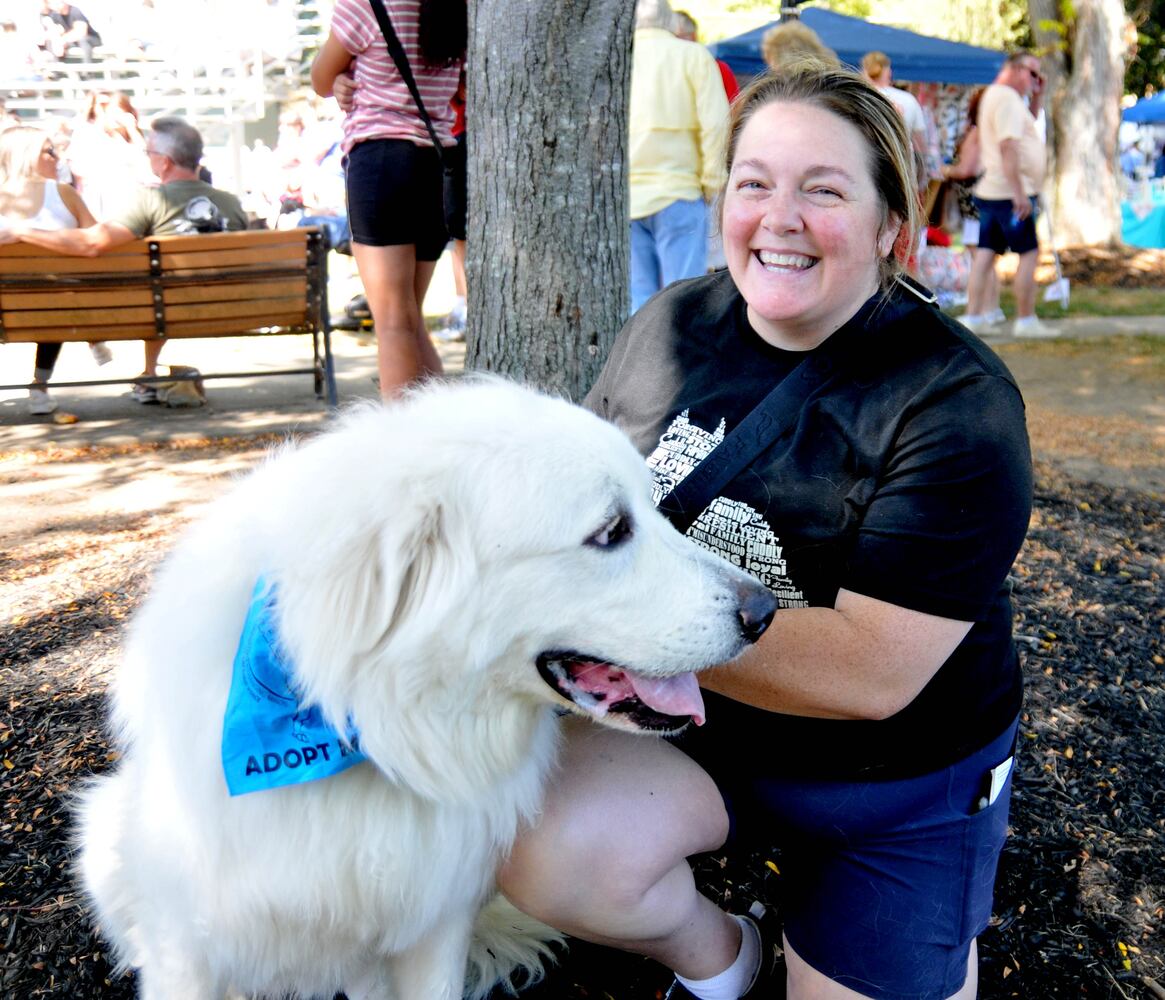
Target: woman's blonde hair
column 20, row 148
column 792, row 42
column 849, row 96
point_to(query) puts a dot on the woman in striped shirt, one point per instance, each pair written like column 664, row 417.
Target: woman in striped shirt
column 393, row 173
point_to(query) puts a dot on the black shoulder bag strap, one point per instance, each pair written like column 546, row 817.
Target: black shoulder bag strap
column 773, row 415
column 764, row 425
column 397, row 51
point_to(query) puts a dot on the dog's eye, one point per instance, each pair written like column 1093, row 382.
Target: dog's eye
column 614, row 532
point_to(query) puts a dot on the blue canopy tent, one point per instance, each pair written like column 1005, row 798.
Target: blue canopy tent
column 918, row 58
column 1148, row 110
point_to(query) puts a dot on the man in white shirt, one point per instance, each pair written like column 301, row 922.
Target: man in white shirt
column 1014, row 159
column 876, row 69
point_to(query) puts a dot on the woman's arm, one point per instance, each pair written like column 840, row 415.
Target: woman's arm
column 331, row 60
column 861, row 659
column 76, row 204
column 90, row 241
column 966, row 165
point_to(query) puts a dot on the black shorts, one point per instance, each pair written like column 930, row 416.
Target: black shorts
column 394, row 196
column 1000, row 230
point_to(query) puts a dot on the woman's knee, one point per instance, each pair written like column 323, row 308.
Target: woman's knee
column 593, row 853
column 592, row 892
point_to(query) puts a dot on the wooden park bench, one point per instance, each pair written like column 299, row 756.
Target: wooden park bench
column 256, row 283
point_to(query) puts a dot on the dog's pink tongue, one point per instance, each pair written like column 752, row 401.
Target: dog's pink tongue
column 670, row 695
column 678, row 695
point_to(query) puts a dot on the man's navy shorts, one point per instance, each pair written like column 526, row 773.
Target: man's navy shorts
column 1000, row 231
column 884, row 884
column 395, row 196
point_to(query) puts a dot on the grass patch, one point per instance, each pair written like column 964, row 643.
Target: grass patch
column 1142, row 351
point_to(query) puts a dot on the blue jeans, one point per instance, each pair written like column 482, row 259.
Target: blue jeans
column 667, row 246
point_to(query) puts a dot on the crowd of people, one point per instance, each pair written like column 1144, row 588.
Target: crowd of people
column 871, row 730
column 673, row 180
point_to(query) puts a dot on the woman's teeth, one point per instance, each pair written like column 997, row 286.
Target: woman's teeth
column 794, row 260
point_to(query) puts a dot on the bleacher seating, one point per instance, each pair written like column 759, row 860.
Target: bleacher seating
column 196, row 78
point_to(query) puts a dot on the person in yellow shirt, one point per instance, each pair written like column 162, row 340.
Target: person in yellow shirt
column 678, row 116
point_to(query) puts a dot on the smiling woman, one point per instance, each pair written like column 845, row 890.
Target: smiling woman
column 819, row 196
column 804, row 227
column 865, row 458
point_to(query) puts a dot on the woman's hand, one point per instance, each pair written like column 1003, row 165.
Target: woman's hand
column 344, row 89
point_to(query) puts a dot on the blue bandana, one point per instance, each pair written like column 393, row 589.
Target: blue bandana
column 269, row 739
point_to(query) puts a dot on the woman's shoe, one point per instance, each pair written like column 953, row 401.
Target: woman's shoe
column 40, row 402
column 769, row 981
column 144, row 393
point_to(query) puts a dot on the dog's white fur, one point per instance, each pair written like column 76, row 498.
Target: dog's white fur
column 425, row 554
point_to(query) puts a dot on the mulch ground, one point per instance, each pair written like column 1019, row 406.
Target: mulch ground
column 1080, row 897
column 1098, row 267
column 1111, row 267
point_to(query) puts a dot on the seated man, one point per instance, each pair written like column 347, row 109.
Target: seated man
column 67, row 28
column 182, row 203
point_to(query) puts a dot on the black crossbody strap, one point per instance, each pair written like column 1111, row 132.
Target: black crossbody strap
column 774, row 414
column 767, row 421
column 397, row 51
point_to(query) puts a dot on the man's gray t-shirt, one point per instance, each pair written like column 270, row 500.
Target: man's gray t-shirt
column 182, row 208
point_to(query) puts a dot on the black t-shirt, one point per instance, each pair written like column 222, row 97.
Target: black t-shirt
column 906, row 477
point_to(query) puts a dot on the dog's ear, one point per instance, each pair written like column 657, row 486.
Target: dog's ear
column 423, row 555
column 357, row 601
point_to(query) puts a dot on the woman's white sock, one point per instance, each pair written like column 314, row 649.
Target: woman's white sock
column 733, row 981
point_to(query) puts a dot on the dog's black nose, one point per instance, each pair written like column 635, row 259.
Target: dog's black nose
column 757, row 607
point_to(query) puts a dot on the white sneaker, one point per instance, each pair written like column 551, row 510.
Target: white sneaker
column 40, row 402
column 449, row 335
column 976, row 322
column 995, row 317
column 101, row 352
column 452, row 328
column 1030, row 326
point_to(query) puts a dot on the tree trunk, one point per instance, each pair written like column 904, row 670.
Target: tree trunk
column 548, row 228
column 1087, row 80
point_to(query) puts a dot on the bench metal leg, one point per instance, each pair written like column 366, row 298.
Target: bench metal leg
column 325, row 381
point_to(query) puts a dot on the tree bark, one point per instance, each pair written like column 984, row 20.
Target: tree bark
column 548, row 228
column 1087, row 80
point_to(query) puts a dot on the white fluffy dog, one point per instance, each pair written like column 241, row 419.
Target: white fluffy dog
column 451, row 573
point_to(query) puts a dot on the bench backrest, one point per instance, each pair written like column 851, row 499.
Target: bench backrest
column 218, row 284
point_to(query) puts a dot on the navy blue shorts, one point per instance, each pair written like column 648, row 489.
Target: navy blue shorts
column 1000, row 231
column 884, row 884
column 394, row 189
